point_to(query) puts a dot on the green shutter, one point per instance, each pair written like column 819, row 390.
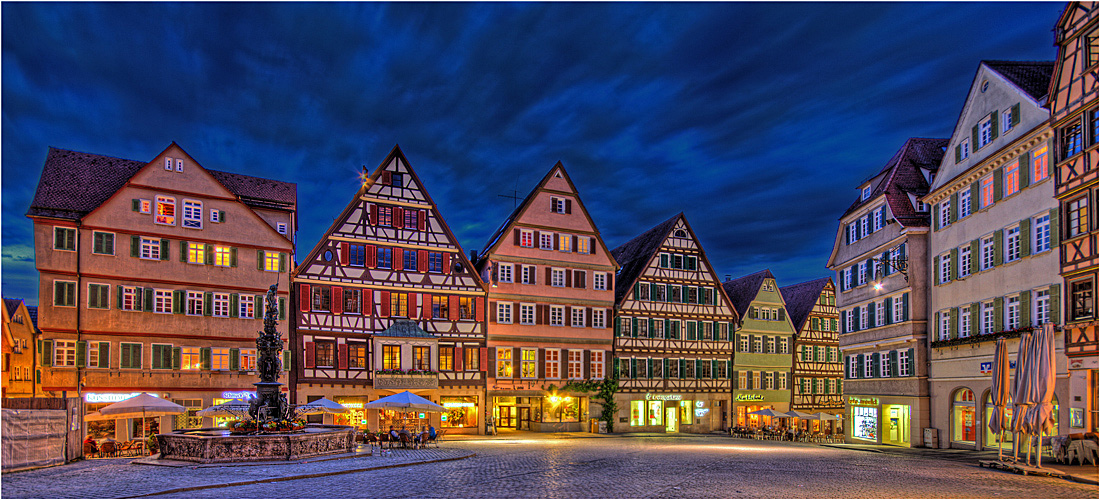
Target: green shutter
column 135, row 205
column 633, row 368
column 282, row 308
column 683, row 368
column 209, row 257
column 179, row 298
column 876, row 365
column 993, row 124
column 118, row 304
column 664, row 260
column 104, row 355
column 1025, row 237
column 260, row 260
column 889, row 310
column 286, row 360
column 1025, row 308
column 637, row 295
column 975, row 317
column 954, row 264
column 233, row 257
column 183, row 251
column 204, row 354
column 905, row 306
column 282, row 262
column 176, row 356
column 953, row 323
column 729, row 372
column 998, row 314
column 859, row 366
column 870, row 316
column 135, row 245
column 221, row 215
column 936, row 217
column 664, row 368
column 1015, row 114
column 1055, row 303
column 1055, row 229
column 618, row 326
column 998, row 184
column 975, row 196
column 258, row 306
column 954, row 215
column 149, row 294
column 893, row 363
column 998, row 247
column 46, row 348
column 208, row 303
column 937, row 278
column 164, row 249
column 234, row 304
column 974, row 139
column 234, row 359
column 958, row 153
column 81, row 353
column 1023, row 167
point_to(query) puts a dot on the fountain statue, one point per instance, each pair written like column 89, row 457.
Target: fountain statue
column 270, row 405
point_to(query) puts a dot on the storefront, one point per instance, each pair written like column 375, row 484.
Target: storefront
column 748, row 401
column 563, row 412
column 356, row 416
column 882, row 420
column 461, row 412
column 650, row 412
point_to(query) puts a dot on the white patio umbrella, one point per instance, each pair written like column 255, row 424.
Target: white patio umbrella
column 822, row 416
column 1039, row 416
column 232, row 408
column 147, row 405
column 1021, row 388
column 323, row 405
column 1000, row 393
column 768, row 412
column 404, row 401
column 798, row 414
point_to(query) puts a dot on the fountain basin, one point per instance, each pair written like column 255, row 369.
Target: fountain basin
column 215, row 445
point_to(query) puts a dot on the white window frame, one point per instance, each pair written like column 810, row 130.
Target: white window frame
column 150, row 248
column 215, row 215
column 877, row 223
column 1012, row 244
column 1041, row 307
column 964, row 149
column 987, row 318
column 557, row 316
column 179, row 165
column 880, row 313
column 565, row 242
column 194, row 304
column 246, row 306
column 552, row 363
column 599, row 281
column 559, row 205
column 865, row 193
column 223, row 256
column 527, row 314
column 853, row 367
column 985, row 132
column 862, row 273
column 945, row 324
column 505, row 272
column 884, row 364
column 190, row 358
column 577, row 317
column 903, row 363
column 281, row 228
column 965, row 262
column 192, row 214
column 546, row 240
column 596, row 364
column 897, row 305
column 853, row 234
column 504, row 313
column 863, row 324
column 527, row 238
column 162, row 301
column 987, row 252
column 575, row 367
column 527, row 274
column 864, row 225
column 964, row 203
column 868, row 366
column 167, row 163
column 165, row 220
column 1041, row 232
column 220, row 305
column 1012, row 312
column 945, row 268
column 557, row 277
column 757, row 344
column 129, row 298
column 945, row 213
column 247, row 360
column 64, row 353
column 964, row 322
column 599, row 318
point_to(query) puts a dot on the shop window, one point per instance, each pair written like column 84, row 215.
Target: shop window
column 637, row 410
column 992, row 439
column 963, row 421
column 654, row 412
column 865, row 423
column 687, row 412
column 461, row 411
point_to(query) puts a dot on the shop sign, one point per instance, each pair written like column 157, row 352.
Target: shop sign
column 351, row 405
column 457, row 404
column 987, row 367
column 749, row 397
column 245, row 395
column 663, row 397
column 99, row 397
column 701, row 412
column 855, row 401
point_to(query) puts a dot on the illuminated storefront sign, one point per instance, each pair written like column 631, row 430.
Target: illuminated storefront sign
column 663, row 397
column 351, row 405
column 750, row 397
column 857, row 401
column 245, row 395
column 95, row 397
column 457, row 404
column 701, row 412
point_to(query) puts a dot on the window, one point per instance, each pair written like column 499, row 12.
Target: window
column 129, row 355
column 439, row 306
column 99, row 296
column 847, row 278
column 880, row 313
column 357, row 356
column 987, row 252
column 964, row 203
column 985, row 132
column 192, row 214
column 599, row 281
column 964, row 322
column 884, row 364
column 526, row 314
column 465, row 308
column 964, row 261
column 527, row 274
column 987, row 318
column 130, row 300
column 945, row 325
column 564, row 242
column 1007, row 120
column 1078, row 222
column 219, row 358
column 546, row 240
column 399, row 305
column 863, row 273
column 271, row 261
column 583, row 245
column 853, row 369
column 215, row 216
column 1042, row 307
column 558, row 204
column 397, row 179
column 1011, row 179
column 435, row 262
column 742, row 379
column 577, row 317
column 64, row 293
column 196, row 253
column 145, row 206
column 412, row 219
column 899, row 309
column 757, row 344
column 352, row 301
column 93, row 354
column 281, row 228
column 504, row 312
column 557, row 277
column 526, row 238
column 1072, row 136
column 644, row 330
column 1042, row 233
column 150, row 249
column 868, row 366
column 247, row 307
column 850, row 321
column 504, row 362
column 557, row 315
column 964, row 150
column 422, row 357
column 853, row 233
column 986, row 191
column 391, row 357
column 190, row 358
column 321, row 299
column 945, row 213
column 596, row 364
column 166, row 211
column 1039, row 170
column 1012, row 244
column 64, row 353
column 866, row 193
column 945, row 268
column 385, row 258
column 223, row 256
column 103, row 243
column 863, row 223
column 1081, row 300
column 504, row 273
column 1012, row 313
column 194, row 303
column 904, row 363
column 221, row 305
column 863, row 317
column 471, row 360
column 877, row 222
column 409, row 260
column 574, row 368
column 385, row 216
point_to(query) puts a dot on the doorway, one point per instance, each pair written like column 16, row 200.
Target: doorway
column 524, row 418
column 507, row 417
column 672, row 423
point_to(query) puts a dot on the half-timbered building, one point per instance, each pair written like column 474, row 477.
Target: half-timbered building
column 817, row 372
column 388, row 302
column 1074, row 118
column 551, row 296
column 673, row 334
column 762, row 348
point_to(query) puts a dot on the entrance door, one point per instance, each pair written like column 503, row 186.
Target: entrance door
column 507, row 417
column 672, row 424
column 524, row 419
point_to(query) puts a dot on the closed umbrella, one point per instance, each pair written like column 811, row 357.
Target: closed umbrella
column 323, row 405
column 146, row 404
column 1039, row 416
column 1000, row 392
column 1020, row 388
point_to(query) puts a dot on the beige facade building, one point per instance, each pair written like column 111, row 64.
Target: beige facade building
column 151, row 278
column 20, row 334
column 880, row 256
column 993, row 249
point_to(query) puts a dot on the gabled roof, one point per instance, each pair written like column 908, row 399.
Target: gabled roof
column 404, row 328
column 904, row 177
column 73, row 184
column 12, row 305
column 634, row 255
column 801, row 298
column 1033, row 77
column 742, row 291
column 32, row 311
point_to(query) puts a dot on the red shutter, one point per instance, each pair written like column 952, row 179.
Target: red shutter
column 342, row 357
column 426, row 312
column 373, row 214
column 586, row 365
column 568, row 206
column 574, row 243
column 387, row 177
column 343, row 253
column 479, row 308
column 311, row 354
column 372, row 256
column 303, row 298
column 446, row 263
column 556, row 242
column 537, row 243
column 422, row 260
column 515, row 237
column 483, row 355
column 452, row 307
column 384, row 306
column 588, row 317
column 591, row 245
column 553, row 204
column 422, row 220
column 493, row 312
column 398, row 217
column 458, row 358
column 368, row 302
column 547, row 276
column 568, row 315
column 568, row 278
column 337, row 300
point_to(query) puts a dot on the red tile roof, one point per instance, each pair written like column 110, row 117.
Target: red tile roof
column 904, row 177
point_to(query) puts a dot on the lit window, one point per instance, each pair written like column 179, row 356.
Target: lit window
column 504, row 362
column 565, row 242
column 190, row 358
column 1039, row 169
column 385, row 216
column 196, row 253
column 526, row 238
column 248, row 359
column 1072, row 138
column 1012, row 178
column 130, row 300
column 222, row 256
column 271, row 261
column 166, row 211
column 986, row 190
column 168, row 164
column 145, row 206
column 1078, row 222
column 179, row 165
column 219, row 358
column 575, row 364
column 192, row 214
column 528, row 363
column 582, row 244
column 150, row 248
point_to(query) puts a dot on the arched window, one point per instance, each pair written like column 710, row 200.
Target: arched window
column 991, row 439
column 964, row 424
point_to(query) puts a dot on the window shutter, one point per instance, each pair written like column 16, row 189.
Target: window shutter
column 258, row 306
column 342, row 356
column 568, row 206
column 221, row 215
column 204, row 353
column 1056, row 303
column 893, row 365
column 1023, row 167
column 683, row 368
column 135, row 245
column 233, row 257
column 479, row 306
column 104, row 355
column 954, row 264
column 1025, row 237
column 637, row 286
column 209, row 257
column 178, row 301
column 568, row 278
column 998, row 313
column 304, row 297
column 994, row 124
column 422, row 261
column 1025, row 308
column 421, row 220
column 367, row 304
column 618, row 326
column 974, row 139
column 148, row 296
column 998, row 247
column 208, row 303
column 335, row 306
column 311, row 355
column 371, row 252
column 553, row 204
column 343, row 249
column 282, row 262
column 592, row 247
column 998, row 184
column 953, row 323
column 183, row 251
column 954, row 212
column 574, row 248
column 1055, row 229
column 493, row 311
column 176, row 357
column 515, row 237
column 859, row 366
column 287, row 360
column 373, row 214
column 384, row 305
column 453, row 307
column 81, row 353
column 905, row 306
column 958, row 153
column 782, row 314
column 847, row 366
column 234, row 359
column 399, row 217
column 426, row 306
column 234, row 304
column 557, row 243
column 260, row 260
column 936, row 217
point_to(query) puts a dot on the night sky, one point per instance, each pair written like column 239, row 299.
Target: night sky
column 756, row 120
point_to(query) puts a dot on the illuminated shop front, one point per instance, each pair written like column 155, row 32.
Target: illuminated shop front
column 880, row 421
column 864, row 414
column 356, row 416
column 963, row 423
column 547, row 413
column 667, row 412
column 461, row 412
column 748, row 401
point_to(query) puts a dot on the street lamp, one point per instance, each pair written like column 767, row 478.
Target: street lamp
column 899, row 263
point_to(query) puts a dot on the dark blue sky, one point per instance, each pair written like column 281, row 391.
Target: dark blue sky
column 757, row 120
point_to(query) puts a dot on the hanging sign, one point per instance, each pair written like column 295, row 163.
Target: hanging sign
column 663, row 397
column 245, row 395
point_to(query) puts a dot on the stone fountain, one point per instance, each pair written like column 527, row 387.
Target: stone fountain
column 214, row 445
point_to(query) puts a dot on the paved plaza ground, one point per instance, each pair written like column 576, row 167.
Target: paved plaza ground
column 542, row 466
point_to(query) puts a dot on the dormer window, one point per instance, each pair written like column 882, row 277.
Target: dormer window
column 866, row 193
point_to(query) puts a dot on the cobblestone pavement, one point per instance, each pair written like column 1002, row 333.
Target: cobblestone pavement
column 608, row 467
